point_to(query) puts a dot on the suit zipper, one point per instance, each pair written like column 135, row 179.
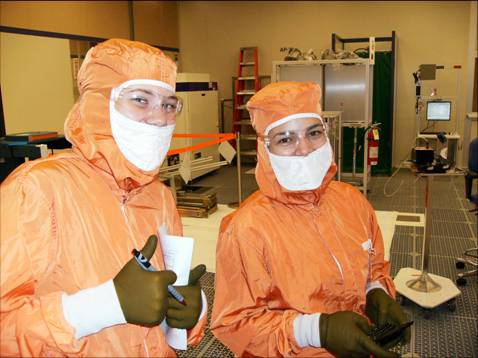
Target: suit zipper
column 337, row 263
column 123, row 210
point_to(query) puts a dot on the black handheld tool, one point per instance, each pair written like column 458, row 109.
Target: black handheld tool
column 387, row 332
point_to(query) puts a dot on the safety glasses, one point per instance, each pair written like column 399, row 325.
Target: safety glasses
column 286, row 141
column 146, row 103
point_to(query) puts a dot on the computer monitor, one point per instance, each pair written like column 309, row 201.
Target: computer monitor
column 438, row 110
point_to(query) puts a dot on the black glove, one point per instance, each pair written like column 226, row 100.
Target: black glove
column 346, row 334
column 143, row 295
column 186, row 316
column 382, row 308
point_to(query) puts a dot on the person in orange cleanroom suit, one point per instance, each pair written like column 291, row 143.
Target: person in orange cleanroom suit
column 300, row 265
column 70, row 285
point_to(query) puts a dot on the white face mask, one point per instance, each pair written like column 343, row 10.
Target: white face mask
column 143, row 145
column 302, row 172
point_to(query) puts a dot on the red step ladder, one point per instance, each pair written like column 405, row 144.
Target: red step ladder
column 247, row 83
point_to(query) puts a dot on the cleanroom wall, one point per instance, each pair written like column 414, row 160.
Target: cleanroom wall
column 211, row 33
column 37, row 82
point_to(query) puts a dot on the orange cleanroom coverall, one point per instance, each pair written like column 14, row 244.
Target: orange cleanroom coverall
column 70, row 221
column 285, row 253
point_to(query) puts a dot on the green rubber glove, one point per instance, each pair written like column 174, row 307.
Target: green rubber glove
column 382, row 308
column 143, row 295
column 186, row 316
column 346, row 334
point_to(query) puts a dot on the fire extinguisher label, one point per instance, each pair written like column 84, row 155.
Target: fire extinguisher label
column 375, row 134
column 373, row 156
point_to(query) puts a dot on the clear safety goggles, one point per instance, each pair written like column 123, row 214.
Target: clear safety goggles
column 286, row 142
column 143, row 101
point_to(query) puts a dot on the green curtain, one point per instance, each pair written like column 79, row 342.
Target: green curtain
column 382, row 110
column 382, row 113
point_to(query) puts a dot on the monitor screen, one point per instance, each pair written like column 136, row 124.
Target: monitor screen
column 438, row 110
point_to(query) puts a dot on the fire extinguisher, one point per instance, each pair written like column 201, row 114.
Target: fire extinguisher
column 373, row 141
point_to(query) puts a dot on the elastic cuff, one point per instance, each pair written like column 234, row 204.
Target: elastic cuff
column 204, row 305
column 307, row 330
column 373, row 285
column 90, row 310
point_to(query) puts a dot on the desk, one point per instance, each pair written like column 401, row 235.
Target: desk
column 434, row 136
column 419, row 286
column 451, row 144
column 13, row 154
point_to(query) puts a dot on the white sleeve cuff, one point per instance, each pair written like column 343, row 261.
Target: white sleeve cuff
column 307, row 330
column 90, row 310
column 373, row 285
column 204, row 305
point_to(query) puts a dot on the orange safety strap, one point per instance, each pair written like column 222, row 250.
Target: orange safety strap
column 221, row 137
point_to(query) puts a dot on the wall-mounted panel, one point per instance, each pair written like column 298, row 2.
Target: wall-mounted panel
column 104, row 19
column 36, row 80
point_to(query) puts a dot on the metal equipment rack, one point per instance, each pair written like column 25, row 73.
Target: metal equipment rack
column 386, row 133
column 356, row 109
column 333, row 120
column 357, row 87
